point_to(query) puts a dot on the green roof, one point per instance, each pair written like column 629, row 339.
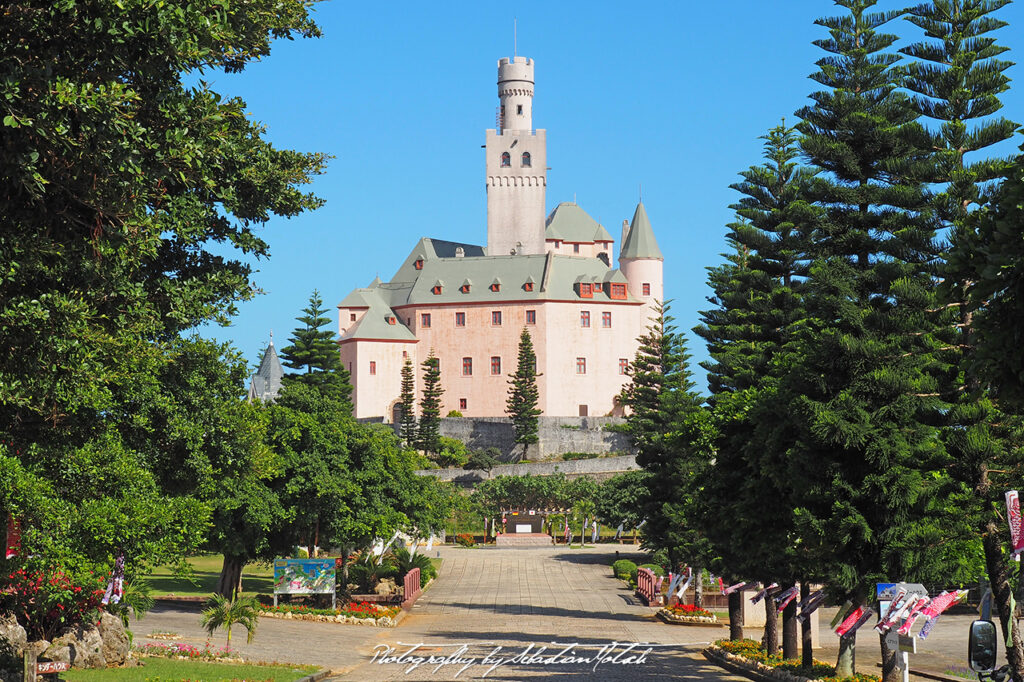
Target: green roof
column 640, row 242
column 374, row 323
column 570, row 223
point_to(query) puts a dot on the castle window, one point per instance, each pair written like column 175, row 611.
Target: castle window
column 584, row 318
column 519, row 109
column 462, row 403
column 528, row 286
column 352, row 317
column 425, row 320
column 585, row 290
column 495, row 287
column 618, row 291
column 597, row 287
column 418, row 264
column 581, row 365
column 390, row 319
column 495, row 364
column 606, row 319
column 405, row 353
column 506, row 160
column 647, row 288
column 575, row 248
column 464, row 288
column 526, row 160
column 623, row 365
column 467, row 367
column 437, row 290
column 373, row 367
column 460, row 319
column 531, row 317
column 496, row 318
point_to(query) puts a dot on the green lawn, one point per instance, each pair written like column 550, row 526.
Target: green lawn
column 166, row 670
column 256, row 578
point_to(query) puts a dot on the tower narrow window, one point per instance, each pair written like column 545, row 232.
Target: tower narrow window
column 496, row 318
column 526, row 160
column 373, row 367
column 575, row 248
column 425, row 320
column 506, row 160
column 519, row 109
column 647, row 288
column 531, row 317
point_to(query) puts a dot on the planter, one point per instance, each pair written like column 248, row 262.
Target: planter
column 754, row 670
column 676, row 619
column 382, row 622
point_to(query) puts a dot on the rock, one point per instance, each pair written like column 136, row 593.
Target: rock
column 12, row 638
column 115, row 642
column 385, row 587
column 81, row 646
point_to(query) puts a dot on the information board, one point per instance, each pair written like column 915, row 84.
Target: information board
column 303, row 576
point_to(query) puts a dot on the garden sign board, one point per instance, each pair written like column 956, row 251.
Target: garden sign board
column 303, row 576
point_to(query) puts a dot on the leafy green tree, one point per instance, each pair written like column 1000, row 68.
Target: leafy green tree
column 673, row 435
column 407, row 427
column 865, row 468
column 314, row 351
column 523, row 394
column 131, row 199
column 956, row 83
column 429, row 434
column 483, row 460
column 620, row 499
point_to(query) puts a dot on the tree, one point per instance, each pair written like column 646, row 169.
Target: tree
column 619, row 499
column 429, row 434
column 673, row 435
column 130, row 199
column 314, row 351
column 865, row 468
column 221, row 612
column 523, row 393
column 407, row 426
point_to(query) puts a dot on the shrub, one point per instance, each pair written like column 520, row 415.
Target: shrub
column 465, row 539
column 484, row 460
column 367, row 572
column 689, row 610
column 452, row 453
column 569, row 456
column 453, row 413
column 624, row 569
column 407, row 562
column 47, row 602
column 658, row 570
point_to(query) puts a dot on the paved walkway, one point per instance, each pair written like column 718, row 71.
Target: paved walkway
column 521, row 600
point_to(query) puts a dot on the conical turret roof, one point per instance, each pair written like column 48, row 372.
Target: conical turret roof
column 640, row 242
column 266, row 382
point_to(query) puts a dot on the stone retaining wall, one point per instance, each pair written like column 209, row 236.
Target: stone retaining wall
column 600, row 467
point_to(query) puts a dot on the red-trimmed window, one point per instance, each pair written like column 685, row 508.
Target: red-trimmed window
column 496, row 318
column 373, row 366
column 528, row 286
column 495, row 287
column 437, row 290
column 352, row 317
column 623, row 365
column 460, row 319
column 467, row 367
column 581, row 365
column 531, row 317
column 462, row 403
column 464, row 288
column 506, row 159
column 526, row 155
column 597, row 287
column 584, row 318
column 425, row 320
column 618, row 291
column 495, row 364
column 606, row 319
column 575, row 248
column 586, row 290
column 391, row 319
column 418, row 264
column 647, row 288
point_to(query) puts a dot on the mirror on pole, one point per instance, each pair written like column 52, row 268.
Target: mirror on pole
column 981, row 649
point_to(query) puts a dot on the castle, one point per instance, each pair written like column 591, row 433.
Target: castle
column 469, row 304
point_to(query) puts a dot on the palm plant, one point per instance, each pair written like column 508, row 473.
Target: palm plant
column 407, row 561
column 223, row 612
column 367, row 571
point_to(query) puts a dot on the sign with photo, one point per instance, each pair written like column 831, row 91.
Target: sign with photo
column 303, row 576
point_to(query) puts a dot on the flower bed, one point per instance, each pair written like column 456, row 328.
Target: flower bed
column 746, row 657
column 187, row 651
column 363, row 613
column 687, row 614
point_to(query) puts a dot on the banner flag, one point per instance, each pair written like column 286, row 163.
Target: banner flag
column 761, row 595
column 857, row 617
column 1013, row 517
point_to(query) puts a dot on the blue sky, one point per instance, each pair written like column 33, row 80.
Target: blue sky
column 670, row 96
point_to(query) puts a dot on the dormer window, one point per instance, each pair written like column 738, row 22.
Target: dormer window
column 391, row 319
column 464, row 288
column 618, row 291
column 526, row 160
column 506, row 160
column 528, row 286
column 436, row 290
column 586, row 290
column 495, row 287
column 418, row 264
column 597, row 287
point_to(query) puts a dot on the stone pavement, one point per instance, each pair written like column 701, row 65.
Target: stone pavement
column 515, row 599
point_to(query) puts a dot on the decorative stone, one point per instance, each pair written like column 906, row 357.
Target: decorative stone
column 116, row 646
column 12, row 637
column 81, row 646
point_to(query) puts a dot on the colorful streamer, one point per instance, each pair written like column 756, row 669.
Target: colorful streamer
column 1013, row 518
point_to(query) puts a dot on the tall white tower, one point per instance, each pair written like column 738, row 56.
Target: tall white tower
column 516, row 166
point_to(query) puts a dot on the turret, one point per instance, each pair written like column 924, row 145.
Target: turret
column 516, row 166
column 640, row 260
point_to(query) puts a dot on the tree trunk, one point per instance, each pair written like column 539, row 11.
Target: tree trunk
column 770, row 642
column 890, row 673
column 790, row 640
column 736, row 616
column 698, row 587
column 231, row 576
column 316, row 540
column 343, row 592
column 999, row 580
column 846, row 663
column 806, row 635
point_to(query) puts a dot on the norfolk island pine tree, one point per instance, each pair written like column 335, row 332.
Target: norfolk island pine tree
column 523, row 393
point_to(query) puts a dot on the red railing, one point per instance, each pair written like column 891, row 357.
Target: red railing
column 412, row 587
column 648, row 586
